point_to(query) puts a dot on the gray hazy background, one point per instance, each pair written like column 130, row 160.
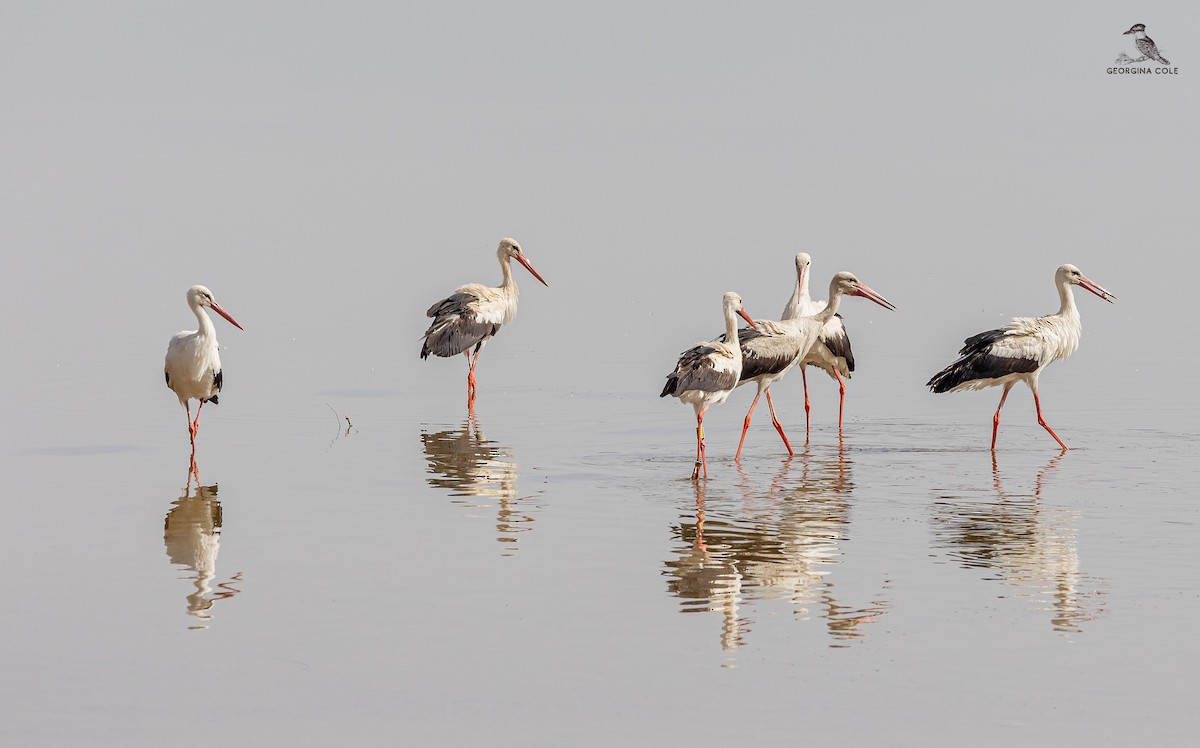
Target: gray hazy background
column 329, row 170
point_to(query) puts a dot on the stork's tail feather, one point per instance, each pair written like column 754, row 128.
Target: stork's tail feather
column 669, row 387
column 949, row 378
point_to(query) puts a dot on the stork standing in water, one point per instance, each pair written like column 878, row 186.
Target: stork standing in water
column 474, row 313
column 707, row 372
column 193, row 366
column 1020, row 350
column 775, row 347
column 831, row 352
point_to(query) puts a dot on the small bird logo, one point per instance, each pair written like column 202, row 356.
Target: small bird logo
column 1145, row 45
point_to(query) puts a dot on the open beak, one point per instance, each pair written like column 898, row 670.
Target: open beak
column 1096, row 289
column 217, row 308
column 521, row 259
column 743, row 315
column 867, row 293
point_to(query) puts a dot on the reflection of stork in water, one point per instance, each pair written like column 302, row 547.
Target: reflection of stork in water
column 470, row 465
column 779, row 544
column 192, row 534
column 707, row 581
column 1029, row 546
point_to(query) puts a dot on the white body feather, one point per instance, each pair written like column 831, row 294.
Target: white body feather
column 492, row 305
column 193, row 361
column 726, row 359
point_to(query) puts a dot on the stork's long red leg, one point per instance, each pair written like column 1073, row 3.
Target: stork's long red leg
column 746, row 424
column 842, row 397
column 996, row 418
column 187, row 409
column 701, row 458
column 470, row 376
column 807, row 405
column 1037, row 402
column 778, row 426
column 196, row 423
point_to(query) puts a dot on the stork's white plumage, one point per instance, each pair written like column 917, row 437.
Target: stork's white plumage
column 193, row 365
column 1020, row 350
column 474, row 313
column 775, row 347
column 831, row 352
column 707, row 372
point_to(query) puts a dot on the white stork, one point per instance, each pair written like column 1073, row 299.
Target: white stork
column 831, row 352
column 474, row 313
column 775, row 347
column 193, row 366
column 707, row 372
column 1020, row 350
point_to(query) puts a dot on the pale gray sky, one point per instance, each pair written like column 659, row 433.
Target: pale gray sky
column 335, row 168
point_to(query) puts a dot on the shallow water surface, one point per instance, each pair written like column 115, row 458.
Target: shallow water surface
column 361, row 563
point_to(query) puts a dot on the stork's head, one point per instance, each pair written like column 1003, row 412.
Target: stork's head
column 733, row 302
column 849, row 284
column 802, row 263
column 510, row 250
column 199, row 296
column 1070, row 274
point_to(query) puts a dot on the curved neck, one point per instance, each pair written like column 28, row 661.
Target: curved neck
column 835, row 300
column 1066, row 299
column 206, row 326
column 509, row 283
column 731, row 330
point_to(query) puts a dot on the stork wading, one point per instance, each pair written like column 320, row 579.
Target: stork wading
column 773, row 348
column 707, row 372
column 831, row 352
column 473, row 314
column 1020, row 350
column 193, row 365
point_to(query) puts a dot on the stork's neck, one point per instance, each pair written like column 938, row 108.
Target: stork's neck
column 206, row 328
column 835, row 301
column 509, row 284
column 1066, row 298
column 731, row 331
column 799, row 298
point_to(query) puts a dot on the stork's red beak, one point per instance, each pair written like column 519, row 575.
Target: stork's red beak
column 742, row 313
column 521, row 259
column 217, row 308
column 867, row 293
column 1096, row 289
